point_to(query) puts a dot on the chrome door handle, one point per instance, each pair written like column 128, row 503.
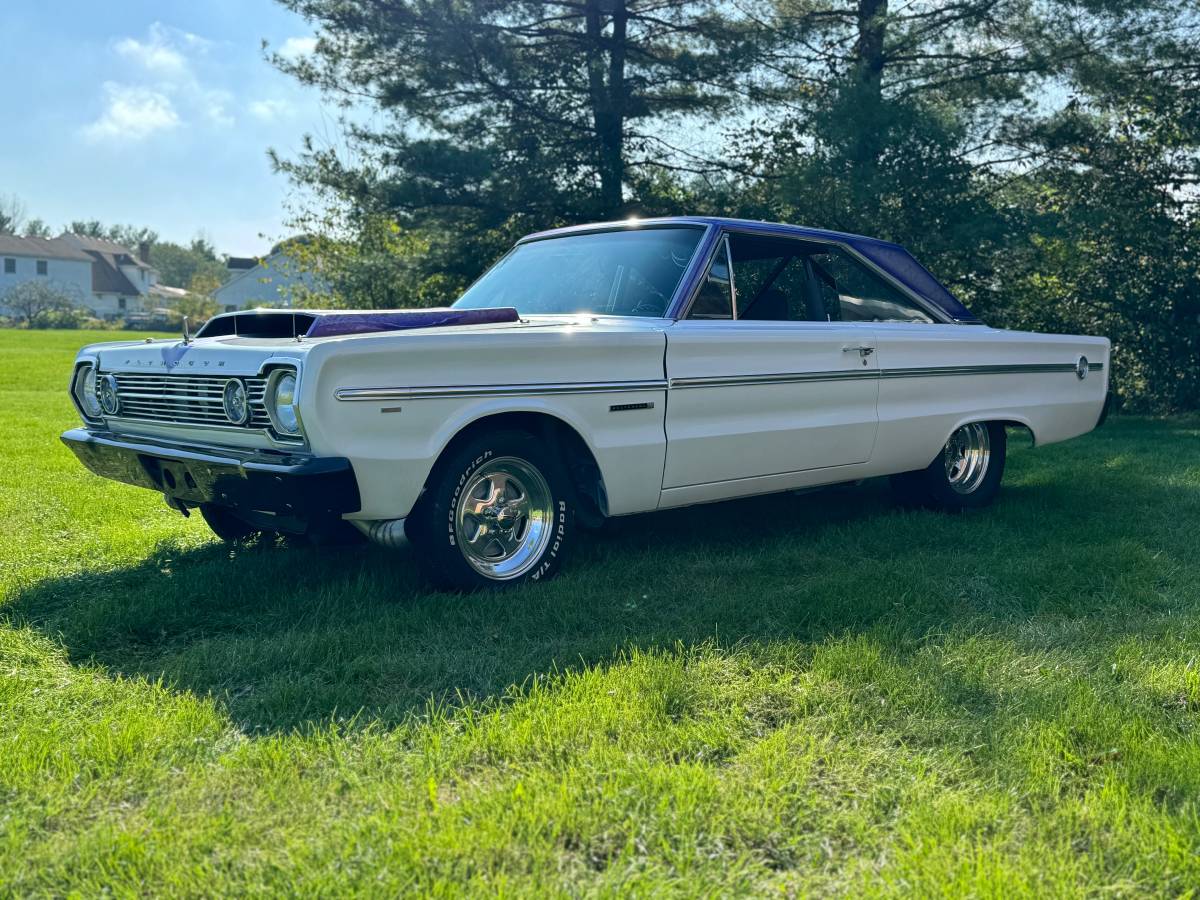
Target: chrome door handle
column 862, row 351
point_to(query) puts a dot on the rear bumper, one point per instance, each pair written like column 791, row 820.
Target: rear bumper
column 286, row 484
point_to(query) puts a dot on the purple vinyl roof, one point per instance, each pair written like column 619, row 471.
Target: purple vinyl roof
column 891, row 258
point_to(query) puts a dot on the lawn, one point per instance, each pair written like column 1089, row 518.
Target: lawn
column 796, row 695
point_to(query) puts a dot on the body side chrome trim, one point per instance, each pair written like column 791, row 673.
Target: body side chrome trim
column 848, row 374
column 620, row 387
column 778, row 378
column 497, row 390
column 998, row 369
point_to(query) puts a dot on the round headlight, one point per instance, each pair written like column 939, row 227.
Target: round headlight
column 109, row 401
column 235, row 402
column 281, row 404
column 85, row 391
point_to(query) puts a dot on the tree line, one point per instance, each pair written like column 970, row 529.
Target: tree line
column 1040, row 156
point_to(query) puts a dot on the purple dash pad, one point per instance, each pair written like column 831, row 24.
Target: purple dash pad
column 328, row 324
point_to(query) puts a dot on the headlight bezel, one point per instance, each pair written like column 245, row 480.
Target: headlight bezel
column 279, row 426
column 87, row 403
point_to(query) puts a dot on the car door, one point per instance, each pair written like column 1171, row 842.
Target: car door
column 770, row 394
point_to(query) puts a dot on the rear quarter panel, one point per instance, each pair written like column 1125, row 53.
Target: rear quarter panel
column 917, row 413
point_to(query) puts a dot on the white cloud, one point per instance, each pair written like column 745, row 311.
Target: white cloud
column 296, row 47
column 169, row 91
column 212, row 104
column 270, row 110
column 131, row 113
column 158, row 53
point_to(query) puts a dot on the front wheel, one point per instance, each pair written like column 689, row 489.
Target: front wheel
column 226, row 524
column 965, row 474
column 498, row 511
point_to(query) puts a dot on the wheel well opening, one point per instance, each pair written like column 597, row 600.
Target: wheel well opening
column 564, row 441
column 1019, row 426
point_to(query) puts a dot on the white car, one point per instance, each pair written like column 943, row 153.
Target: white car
column 593, row 371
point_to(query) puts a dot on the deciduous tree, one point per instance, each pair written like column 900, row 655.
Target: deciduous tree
column 12, row 214
column 30, row 301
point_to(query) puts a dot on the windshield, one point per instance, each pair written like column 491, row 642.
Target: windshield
column 617, row 273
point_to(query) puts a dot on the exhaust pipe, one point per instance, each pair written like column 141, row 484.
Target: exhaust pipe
column 384, row 532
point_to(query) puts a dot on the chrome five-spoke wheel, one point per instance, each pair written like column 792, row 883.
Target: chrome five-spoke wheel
column 498, row 511
column 964, row 475
column 504, row 518
column 966, row 457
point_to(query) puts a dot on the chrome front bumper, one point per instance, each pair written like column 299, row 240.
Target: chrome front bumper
column 271, row 481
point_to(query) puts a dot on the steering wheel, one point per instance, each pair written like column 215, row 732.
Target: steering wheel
column 648, row 308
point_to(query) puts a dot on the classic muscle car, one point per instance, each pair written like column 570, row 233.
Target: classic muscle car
column 592, row 372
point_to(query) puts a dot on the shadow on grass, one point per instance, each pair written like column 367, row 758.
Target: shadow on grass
column 284, row 636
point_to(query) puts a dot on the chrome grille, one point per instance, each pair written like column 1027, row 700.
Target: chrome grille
column 186, row 399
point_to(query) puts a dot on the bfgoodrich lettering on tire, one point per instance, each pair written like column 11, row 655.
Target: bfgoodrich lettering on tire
column 498, row 511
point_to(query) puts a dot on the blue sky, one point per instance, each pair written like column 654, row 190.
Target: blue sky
column 155, row 113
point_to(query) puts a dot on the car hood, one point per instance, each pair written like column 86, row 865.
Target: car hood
column 242, row 355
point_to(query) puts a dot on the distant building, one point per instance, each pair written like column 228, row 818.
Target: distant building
column 278, row 279
column 110, row 280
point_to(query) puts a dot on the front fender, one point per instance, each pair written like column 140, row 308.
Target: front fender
column 392, row 405
column 394, row 451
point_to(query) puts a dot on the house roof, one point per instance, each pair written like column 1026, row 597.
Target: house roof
column 107, row 278
column 43, row 248
column 106, row 247
column 107, row 258
column 241, row 262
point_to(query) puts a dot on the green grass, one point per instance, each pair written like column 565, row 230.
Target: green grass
column 797, row 695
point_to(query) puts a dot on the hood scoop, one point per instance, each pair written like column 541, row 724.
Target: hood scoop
column 286, row 323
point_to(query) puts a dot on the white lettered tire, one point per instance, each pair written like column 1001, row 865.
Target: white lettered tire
column 498, row 511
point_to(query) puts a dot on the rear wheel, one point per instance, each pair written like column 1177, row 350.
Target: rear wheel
column 498, row 511
column 966, row 473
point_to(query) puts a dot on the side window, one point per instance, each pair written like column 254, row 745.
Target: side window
column 715, row 299
column 41, row 267
column 788, row 280
column 850, row 292
column 10, row 266
column 769, row 278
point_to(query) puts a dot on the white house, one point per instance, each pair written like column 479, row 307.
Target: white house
column 121, row 280
column 275, row 280
column 111, row 280
column 65, row 268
